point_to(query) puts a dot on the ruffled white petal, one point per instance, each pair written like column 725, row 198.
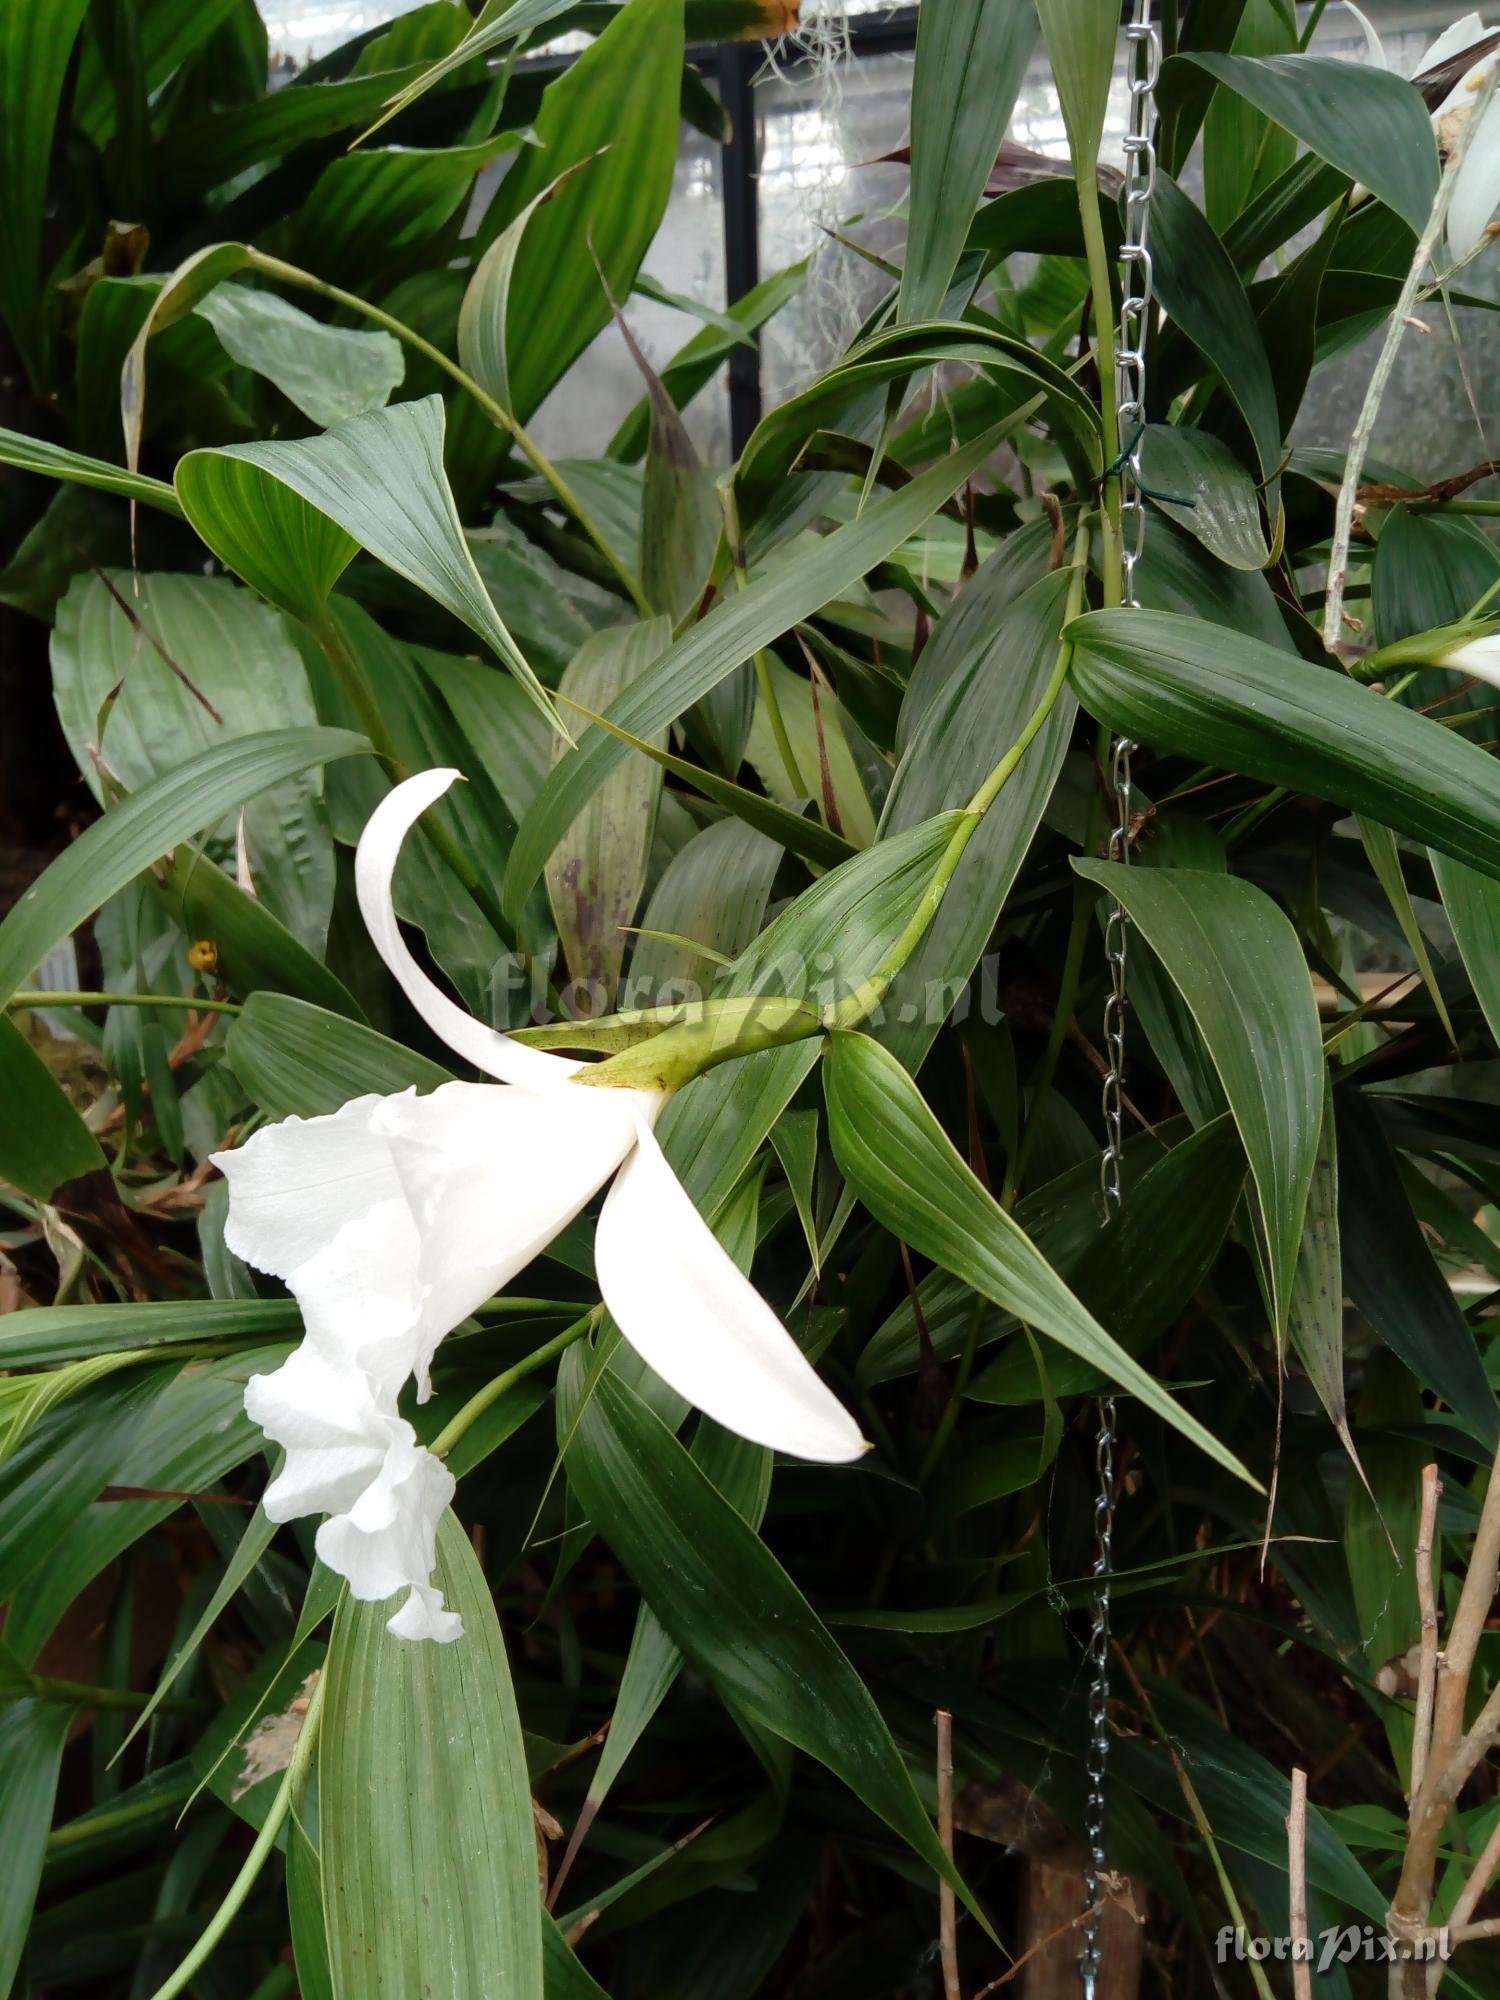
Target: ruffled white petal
column 374, row 866
column 1476, row 192
column 678, row 1298
column 489, row 1176
column 1460, row 35
column 293, row 1186
column 349, row 1455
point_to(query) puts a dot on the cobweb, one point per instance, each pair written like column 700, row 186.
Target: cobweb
column 813, row 61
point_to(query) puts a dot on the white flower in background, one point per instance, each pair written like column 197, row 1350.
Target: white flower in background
column 392, row 1219
column 1476, row 193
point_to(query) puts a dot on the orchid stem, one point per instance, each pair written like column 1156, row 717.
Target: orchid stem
column 492, row 1391
column 43, row 999
column 260, row 1853
column 291, row 274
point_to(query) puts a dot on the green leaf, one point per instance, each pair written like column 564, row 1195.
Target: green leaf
column 33, row 1735
column 1390, row 1274
column 806, row 730
column 373, row 215
column 971, row 58
column 426, row 1838
column 900, row 1163
column 841, row 397
column 1242, row 152
column 968, row 724
column 1200, row 288
column 55, row 461
column 565, row 1977
column 264, row 531
column 1178, row 574
column 255, row 952
column 193, row 280
column 795, row 1138
column 253, row 1544
column 596, row 874
column 43, row 1140
column 500, row 726
column 47, row 1336
column 36, row 46
column 330, row 373
column 681, row 523
column 1429, row 571
column 1245, row 707
column 808, row 838
column 1473, row 905
column 212, row 148
column 484, row 316
column 696, row 363
column 196, row 660
column 1237, row 963
column 1081, row 37
column 497, row 24
column 376, row 482
column 1369, row 123
column 772, row 604
column 1061, row 1218
column 294, row 1058
column 732, row 1610
column 1385, row 861
column 623, row 93
column 132, row 835
column 1315, row 1323
column 1138, row 1273
column 177, row 1435
column 713, row 893
column 838, row 933
column 712, row 1130
column 1196, row 481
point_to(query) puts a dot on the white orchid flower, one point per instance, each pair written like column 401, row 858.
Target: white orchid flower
column 391, row 1220
column 1476, row 192
column 1479, row 656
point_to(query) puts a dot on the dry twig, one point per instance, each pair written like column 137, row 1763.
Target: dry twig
column 1296, row 1863
column 947, row 1905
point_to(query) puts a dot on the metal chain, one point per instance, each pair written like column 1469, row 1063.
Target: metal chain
column 1143, row 45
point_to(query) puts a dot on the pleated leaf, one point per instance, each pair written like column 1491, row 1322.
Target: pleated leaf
column 971, row 58
column 901, row 1164
column 1245, row 706
column 33, row 1734
column 43, row 1139
column 132, row 835
column 734, row 1613
column 376, row 482
column 427, row 1843
column 1238, row 965
column 618, row 108
column 746, row 621
column 1368, row 122
column 1473, row 905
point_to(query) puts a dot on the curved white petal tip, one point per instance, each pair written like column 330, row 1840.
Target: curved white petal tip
column 374, row 869
column 690, row 1313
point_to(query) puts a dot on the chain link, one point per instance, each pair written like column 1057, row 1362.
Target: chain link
column 1144, row 63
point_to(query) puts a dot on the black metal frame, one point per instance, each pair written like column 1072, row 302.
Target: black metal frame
column 734, row 67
